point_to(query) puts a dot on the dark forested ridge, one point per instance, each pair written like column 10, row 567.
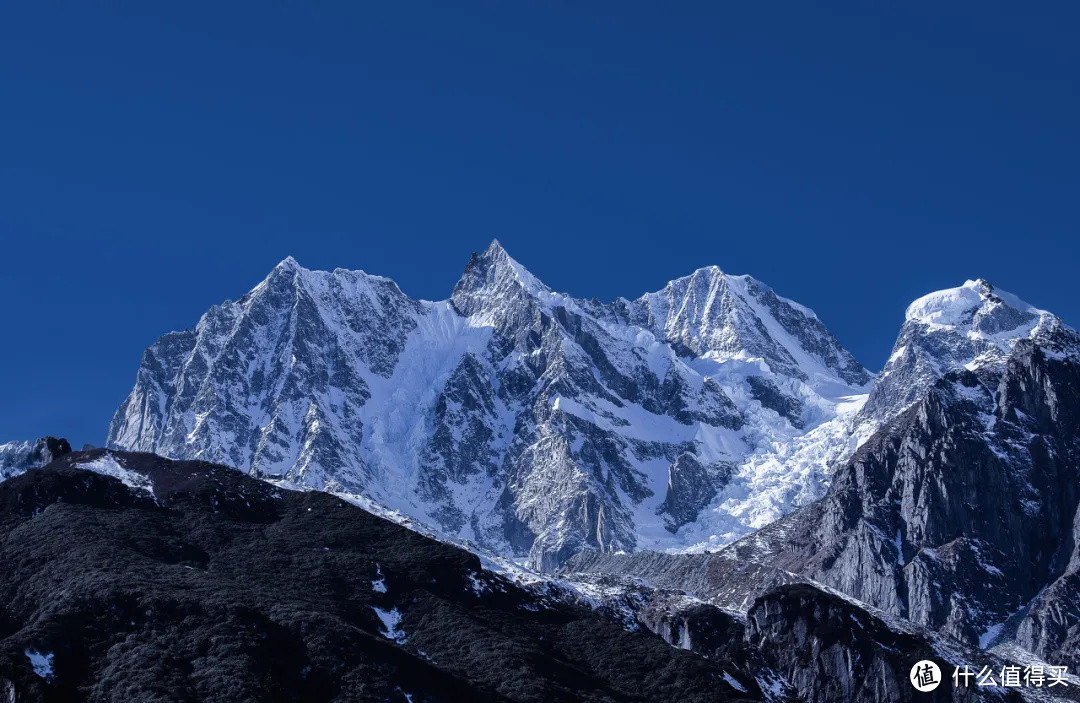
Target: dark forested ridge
column 209, row 585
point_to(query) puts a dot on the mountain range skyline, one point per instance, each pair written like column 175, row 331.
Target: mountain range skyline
column 536, row 424
column 88, row 434
column 141, row 192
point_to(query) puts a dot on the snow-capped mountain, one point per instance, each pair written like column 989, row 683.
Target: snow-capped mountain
column 969, row 327
column 521, row 418
column 961, row 512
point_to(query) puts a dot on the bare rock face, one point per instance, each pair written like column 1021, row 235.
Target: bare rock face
column 805, row 642
column 1051, row 625
column 687, row 623
column 963, row 511
column 831, row 649
column 691, row 486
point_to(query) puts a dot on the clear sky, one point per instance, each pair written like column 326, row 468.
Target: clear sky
column 157, row 160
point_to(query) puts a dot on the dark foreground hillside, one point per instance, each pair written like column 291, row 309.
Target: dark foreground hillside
column 209, row 585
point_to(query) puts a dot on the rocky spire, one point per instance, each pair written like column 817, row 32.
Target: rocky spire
column 497, row 288
column 492, row 277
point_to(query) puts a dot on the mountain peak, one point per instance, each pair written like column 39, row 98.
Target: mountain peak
column 495, row 249
column 288, row 264
column 730, row 316
column 978, row 306
column 972, row 326
column 493, row 279
column 506, row 265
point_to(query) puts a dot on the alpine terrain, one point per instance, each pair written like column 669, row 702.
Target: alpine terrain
column 703, row 468
column 520, row 419
column 960, row 513
column 189, row 581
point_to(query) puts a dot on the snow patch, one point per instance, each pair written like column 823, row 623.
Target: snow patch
column 378, row 585
column 42, row 662
column 109, row 465
column 733, row 683
column 391, row 619
column 476, row 584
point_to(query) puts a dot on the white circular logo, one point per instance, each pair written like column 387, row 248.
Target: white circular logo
column 925, row 676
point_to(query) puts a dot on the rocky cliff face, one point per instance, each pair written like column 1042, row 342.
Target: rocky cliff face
column 1050, row 625
column 684, row 622
column 802, row 639
column 524, row 420
column 832, row 649
column 961, row 511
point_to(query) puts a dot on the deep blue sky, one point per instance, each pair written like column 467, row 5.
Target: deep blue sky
column 156, row 161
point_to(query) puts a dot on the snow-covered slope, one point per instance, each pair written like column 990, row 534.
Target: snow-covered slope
column 525, row 420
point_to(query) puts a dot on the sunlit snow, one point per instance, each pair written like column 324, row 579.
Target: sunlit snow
column 108, row 465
